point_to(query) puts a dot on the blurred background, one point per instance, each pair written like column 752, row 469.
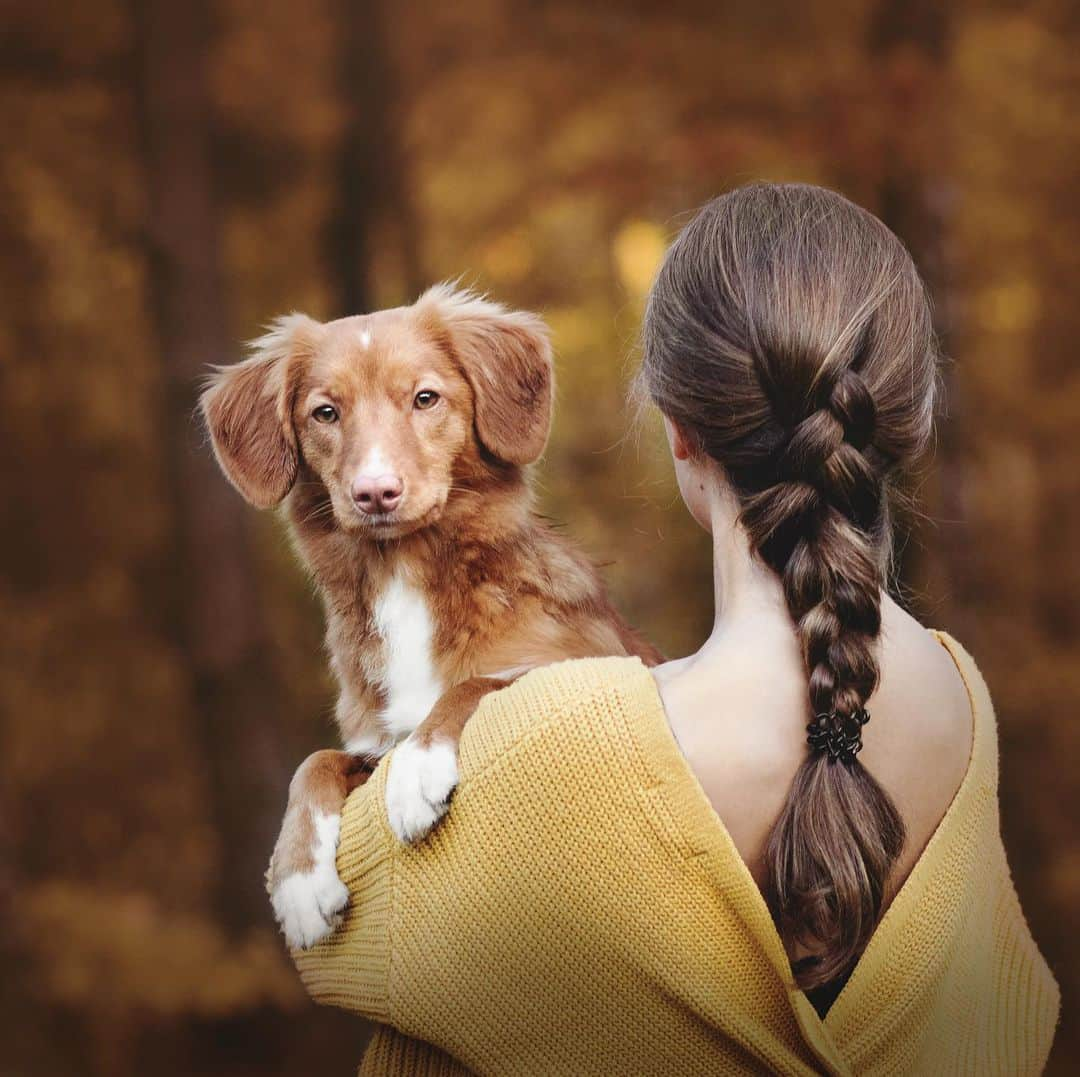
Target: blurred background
column 173, row 174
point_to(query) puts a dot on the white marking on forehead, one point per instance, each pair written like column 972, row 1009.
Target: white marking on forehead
column 365, row 338
column 412, row 686
column 375, row 463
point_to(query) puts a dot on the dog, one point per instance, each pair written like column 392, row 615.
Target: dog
column 399, row 443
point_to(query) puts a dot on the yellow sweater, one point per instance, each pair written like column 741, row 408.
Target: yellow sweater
column 582, row 910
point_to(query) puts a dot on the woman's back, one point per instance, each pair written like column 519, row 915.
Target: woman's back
column 738, row 712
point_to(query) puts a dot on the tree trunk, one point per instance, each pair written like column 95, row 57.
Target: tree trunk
column 215, row 608
column 371, row 175
column 909, row 42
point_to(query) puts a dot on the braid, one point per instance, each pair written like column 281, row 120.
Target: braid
column 788, row 331
column 820, row 529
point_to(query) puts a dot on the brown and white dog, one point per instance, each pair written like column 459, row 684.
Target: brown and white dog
column 398, row 442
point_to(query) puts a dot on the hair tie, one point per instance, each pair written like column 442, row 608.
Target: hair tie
column 839, row 735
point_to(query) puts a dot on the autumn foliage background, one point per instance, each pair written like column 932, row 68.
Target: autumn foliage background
column 172, row 175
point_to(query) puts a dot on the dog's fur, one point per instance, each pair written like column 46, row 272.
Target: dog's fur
column 430, row 606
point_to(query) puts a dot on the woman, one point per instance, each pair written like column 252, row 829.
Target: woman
column 696, row 869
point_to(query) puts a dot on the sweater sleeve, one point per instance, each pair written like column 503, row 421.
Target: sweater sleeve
column 351, row 968
column 392, row 1054
column 426, row 923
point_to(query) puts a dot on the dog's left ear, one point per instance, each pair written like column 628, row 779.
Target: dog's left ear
column 506, row 357
column 247, row 409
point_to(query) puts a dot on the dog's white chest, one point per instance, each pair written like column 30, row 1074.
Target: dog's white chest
column 403, row 621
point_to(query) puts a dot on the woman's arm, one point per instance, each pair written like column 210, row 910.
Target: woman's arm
column 351, row 969
column 441, row 938
column 393, row 1054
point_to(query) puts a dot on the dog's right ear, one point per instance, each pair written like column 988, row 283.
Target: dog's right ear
column 247, row 409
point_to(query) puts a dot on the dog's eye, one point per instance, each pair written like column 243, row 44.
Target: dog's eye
column 425, row 399
column 325, row 414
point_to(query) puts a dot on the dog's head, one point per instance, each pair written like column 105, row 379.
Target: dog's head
column 391, row 411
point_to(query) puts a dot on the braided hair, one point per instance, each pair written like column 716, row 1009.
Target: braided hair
column 789, row 335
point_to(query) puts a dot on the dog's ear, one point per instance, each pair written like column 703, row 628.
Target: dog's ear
column 247, row 409
column 506, row 357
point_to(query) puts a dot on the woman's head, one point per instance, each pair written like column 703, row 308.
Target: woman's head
column 788, row 339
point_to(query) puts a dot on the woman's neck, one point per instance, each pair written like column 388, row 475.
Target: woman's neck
column 745, row 589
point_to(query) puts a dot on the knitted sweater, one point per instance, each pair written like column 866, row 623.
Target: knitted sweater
column 582, row 910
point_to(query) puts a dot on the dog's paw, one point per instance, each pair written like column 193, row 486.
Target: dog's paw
column 308, row 905
column 418, row 786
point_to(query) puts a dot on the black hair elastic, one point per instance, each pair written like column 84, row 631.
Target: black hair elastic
column 839, row 735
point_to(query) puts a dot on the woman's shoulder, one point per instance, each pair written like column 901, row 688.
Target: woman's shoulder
column 955, row 657
column 934, row 700
column 574, row 703
column 972, row 699
column 927, row 676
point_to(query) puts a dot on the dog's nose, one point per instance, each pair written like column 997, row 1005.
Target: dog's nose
column 375, row 494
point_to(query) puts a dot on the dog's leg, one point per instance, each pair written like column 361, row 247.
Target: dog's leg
column 307, row 896
column 423, row 770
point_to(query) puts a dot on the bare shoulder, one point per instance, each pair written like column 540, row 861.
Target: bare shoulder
column 919, row 742
column 922, row 690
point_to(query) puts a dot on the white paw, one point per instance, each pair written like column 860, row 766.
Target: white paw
column 418, row 786
column 308, row 904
